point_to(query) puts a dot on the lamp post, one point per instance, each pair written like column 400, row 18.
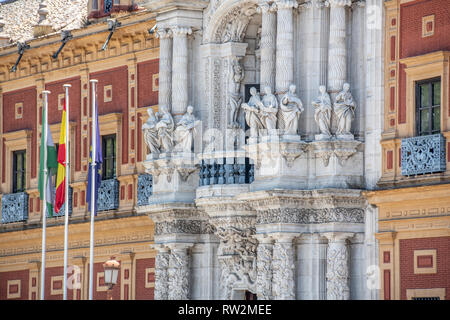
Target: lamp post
column 111, row 274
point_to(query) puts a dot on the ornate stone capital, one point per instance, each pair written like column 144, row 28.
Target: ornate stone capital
column 286, row 4
column 179, row 31
column 163, row 33
column 339, row 3
column 337, row 236
column 266, row 6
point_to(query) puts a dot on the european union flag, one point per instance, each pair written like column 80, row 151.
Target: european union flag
column 98, row 160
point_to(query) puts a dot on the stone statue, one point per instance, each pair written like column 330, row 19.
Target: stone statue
column 150, row 132
column 251, row 109
column 290, row 109
column 237, row 75
column 344, row 108
column 165, row 128
column 322, row 114
column 185, row 130
column 269, row 110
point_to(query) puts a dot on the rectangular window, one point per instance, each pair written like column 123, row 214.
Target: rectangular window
column 428, row 106
column 19, row 170
column 95, row 4
column 109, row 157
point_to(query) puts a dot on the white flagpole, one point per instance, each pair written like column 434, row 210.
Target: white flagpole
column 44, row 193
column 93, row 157
column 66, row 196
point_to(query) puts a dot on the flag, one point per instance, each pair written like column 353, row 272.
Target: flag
column 61, row 176
column 51, row 165
column 98, row 160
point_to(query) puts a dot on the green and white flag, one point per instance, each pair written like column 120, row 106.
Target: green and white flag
column 52, row 165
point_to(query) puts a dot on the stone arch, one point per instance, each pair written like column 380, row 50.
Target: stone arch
column 234, row 14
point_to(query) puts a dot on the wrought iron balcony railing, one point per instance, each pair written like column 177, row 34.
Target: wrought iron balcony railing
column 423, row 154
column 144, row 189
column 227, row 172
column 62, row 211
column 14, row 207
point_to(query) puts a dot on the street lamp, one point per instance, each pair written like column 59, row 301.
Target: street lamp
column 111, row 273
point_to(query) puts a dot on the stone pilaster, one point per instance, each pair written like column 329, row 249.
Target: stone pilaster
column 337, row 47
column 178, row 272
column 165, row 67
column 285, row 44
column 268, row 44
column 283, row 283
column 161, row 273
column 264, row 255
column 338, row 266
column 180, row 70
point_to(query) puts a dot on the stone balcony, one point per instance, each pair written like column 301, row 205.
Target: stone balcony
column 14, row 207
column 423, row 154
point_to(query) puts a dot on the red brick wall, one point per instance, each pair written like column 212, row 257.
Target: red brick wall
column 409, row 280
column 28, row 121
column 55, row 116
column 411, row 41
column 146, row 95
column 49, row 273
column 143, row 293
column 402, row 94
column 118, row 78
column 101, row 295
column 22, row 275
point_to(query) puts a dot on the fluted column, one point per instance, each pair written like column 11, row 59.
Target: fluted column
column 178, row 272
column 264, row 267
column 165, row 67
column 283, row 285
column 285, row 44
column 180, row 70
column 268, row 44
column 161, row 273
column 337, row 266
column 337, row 46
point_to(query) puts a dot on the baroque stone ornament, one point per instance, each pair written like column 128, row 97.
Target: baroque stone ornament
column 322, row 114
column 178, row 273
column 337, row 266
column 283, row 270
column 344, row 108
column 264, row 270
column 291, row 108
column 161, row 273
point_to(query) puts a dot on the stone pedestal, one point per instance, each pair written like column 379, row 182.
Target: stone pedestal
column 175, row 177
column 280, row 162
column 338, row 164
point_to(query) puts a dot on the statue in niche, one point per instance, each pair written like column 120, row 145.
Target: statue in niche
column 322, row 113
column 290, row 109
column 344, row 108
column 237, row 75
column 269, row 110
column 252, row 111
column 165, row 127
column 185, row 130
column 151, row 137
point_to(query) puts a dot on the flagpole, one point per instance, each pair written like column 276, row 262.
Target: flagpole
column 66, row 197
column 93, row 175
column 44, row 193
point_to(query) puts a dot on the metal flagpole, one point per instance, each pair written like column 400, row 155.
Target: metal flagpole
column 44, row 193
column 93, row 175
column 66, row 197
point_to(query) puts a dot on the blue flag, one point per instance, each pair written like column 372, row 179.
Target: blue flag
column 98, row 160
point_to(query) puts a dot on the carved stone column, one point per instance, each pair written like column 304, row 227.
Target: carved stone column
column 180, row 70
column 285, row 44
column 178, row 272
column 337, row 48
column 283, row 285
column 264, row 267
column 165, row 67
column 337, row 266
column 161, row 273
column 268, row 44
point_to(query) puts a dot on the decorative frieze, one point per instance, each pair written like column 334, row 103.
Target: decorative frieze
column 310, row 216
column 14, row 207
